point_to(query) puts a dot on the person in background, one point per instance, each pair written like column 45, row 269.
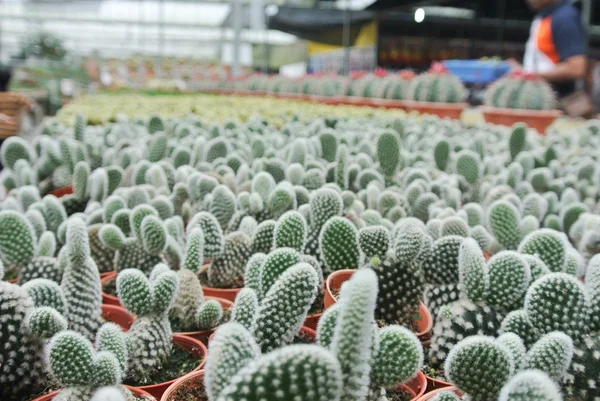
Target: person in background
column 11, row 106
column 556, row 49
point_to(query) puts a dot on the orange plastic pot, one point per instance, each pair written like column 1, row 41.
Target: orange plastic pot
column 435, row 384
column 536, row 119
column 337, row 278
column 106, row 298
column 60, row 192
column 118, row 315
column 416, row 387
column 170, row 393
column 312, row 321
column 442, row 110
column 136, row 391
column 222, row 293
column 432, row 394
column 193, row 347
column 205, row 334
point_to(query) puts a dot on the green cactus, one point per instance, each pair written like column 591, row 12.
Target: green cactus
column 454, row 225
column 81, row 282
column 551, row 354
column 339, row 244
column 548, row 245
column 223, row 205
column 274, row 265
column 252, row 271
column 458, row 320
column 472, row 271
column 520, row 93
column 479, row 367
column 290, row 231
column 399, row 358
column 285, row 306
column 503, row 221
column 155, row 124
column 17, row 239
column 436, row 87
column 374, row 241
column 353, row 334
column 286, row 373
column 559, row 292
column 226, row 271
column 341, row 167
column 517, row 140
column 263, row 238
column 209, row 314
column 441, row 154
column 514, row 344
column 14, row 148
column 441, row 263
column 245, row 307
column 388, row 153
column 468, row 165
column 153, row 235
column 517, row 322
column 213, row 234
column 232, row 348
column 530, row 385
column 149, row 299
column 509, row 277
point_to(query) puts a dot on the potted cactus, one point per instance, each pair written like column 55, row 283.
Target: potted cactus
column 437, row 92
column 521, row 98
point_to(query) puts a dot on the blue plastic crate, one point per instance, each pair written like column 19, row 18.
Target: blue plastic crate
column 477, row 71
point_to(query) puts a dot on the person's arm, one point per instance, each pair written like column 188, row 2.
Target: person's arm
column 571, row 69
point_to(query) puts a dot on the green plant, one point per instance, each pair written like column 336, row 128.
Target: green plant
column 290, row 231
column 338, row 244
column 503, row 221
column 226, row 271
column 551, row 354
column 388, row 153
column 520, row 92
column 436, row 87
column 245, row 307
column 374, row 241
column 274, row 265
column 284, row 307
column 548, row 245
column 479, row 366
column 150, row 299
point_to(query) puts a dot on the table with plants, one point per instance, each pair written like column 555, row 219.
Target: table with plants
column 217, row 248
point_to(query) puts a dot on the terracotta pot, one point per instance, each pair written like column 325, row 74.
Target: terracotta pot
column 536, row 119
column 192, row 346
column 312, row 321
column 134, row 390
column 169, row 394
column 60, row 192
column 222, row 293
column 118, row 315
column 106, row 298
column 432, row 394
column 337, row 278
column 205, row 335
column 305, row 332
column 416, row 387
column 442, row 110
column 435, row 384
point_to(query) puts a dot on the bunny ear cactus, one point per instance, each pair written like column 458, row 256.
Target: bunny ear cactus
column 458, row 320
column 231, row 348
column 472, row 270
column 47, row 293
column 517, row 322
column 353, row 334
column 338, row 244
column 151, row 300
column 213, row 234
column 209, row 314
column 441, row 154
column 290, row 231
column 503, row 221
column 17, row 239
column 388, row 153
column 223, row 205
column 558, row 292
column 81, row 282
column 285, row 373
column 468, row 165
column 548, row 245
column 509, row 277
column 226, row 271
column 13, row 149
column 374, row 241
column 514, row 344
column 245, row 308
column 436, row 87
column 399, row 358
column 530, row 385
column 285, row 306
column 275, row 264
column 479, row 366
column 552, row 354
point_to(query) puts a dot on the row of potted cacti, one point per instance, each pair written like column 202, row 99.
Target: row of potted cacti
column 245, row 232
column 518, row 97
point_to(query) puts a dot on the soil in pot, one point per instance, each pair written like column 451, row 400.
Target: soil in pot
column 109, row 287
column 179, row 364
column 190, row 390
column 225, row 293
column 399, row 394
